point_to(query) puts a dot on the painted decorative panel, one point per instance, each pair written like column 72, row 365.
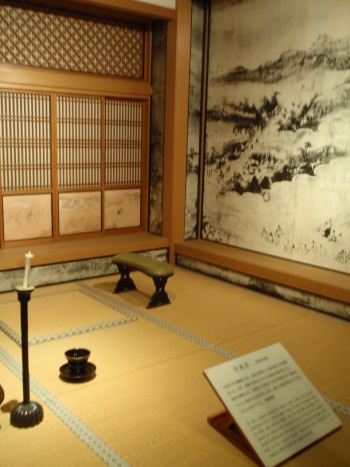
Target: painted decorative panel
column 54, row 39
column 194, row 119
column 277, row 160
column 122, row 208
column 27, row 217
column 156, row 166
column 79, row 212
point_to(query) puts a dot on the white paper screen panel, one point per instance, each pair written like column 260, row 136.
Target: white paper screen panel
column 78, row 142
column 25, row 137
column 123, row 142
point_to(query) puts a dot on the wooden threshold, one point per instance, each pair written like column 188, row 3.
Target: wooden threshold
column 75, row 250
column 318, row 281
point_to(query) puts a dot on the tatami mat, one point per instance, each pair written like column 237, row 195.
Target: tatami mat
column 49, row 443
column 58, row 315
column 148, row 404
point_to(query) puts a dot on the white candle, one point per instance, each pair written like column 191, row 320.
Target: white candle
column 28, row 257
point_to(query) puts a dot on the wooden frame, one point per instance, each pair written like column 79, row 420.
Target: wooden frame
column 54, row 191
column 120, row 9
column 52, row 82
column 176, row 111
column 314, row 280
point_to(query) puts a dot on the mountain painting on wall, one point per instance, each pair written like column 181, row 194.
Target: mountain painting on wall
column 277, row 158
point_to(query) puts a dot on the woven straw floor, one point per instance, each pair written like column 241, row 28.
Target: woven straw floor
column 148, row 403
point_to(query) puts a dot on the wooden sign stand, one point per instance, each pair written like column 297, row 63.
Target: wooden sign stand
column 226, row 426
column 272, row 410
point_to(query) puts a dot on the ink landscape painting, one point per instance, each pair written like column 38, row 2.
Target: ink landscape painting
column 277, row 157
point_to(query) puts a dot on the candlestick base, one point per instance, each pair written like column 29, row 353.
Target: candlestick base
column 22, row 288
column 26, row 415
column 2, row 395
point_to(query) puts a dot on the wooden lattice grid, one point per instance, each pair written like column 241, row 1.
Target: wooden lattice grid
column 26, row 154
column 53, row 39
column 123, row 142
column 25, row 141
column 78, row 142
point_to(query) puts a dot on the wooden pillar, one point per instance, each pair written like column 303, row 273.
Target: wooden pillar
column 176, row 116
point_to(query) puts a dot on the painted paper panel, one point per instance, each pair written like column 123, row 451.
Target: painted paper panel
column 156, row 156
column 79, row 212
column 277, row 162
column 194, row 119
column 122, row 208
column 27, row 217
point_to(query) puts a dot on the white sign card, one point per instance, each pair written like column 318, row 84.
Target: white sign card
column 272, row 402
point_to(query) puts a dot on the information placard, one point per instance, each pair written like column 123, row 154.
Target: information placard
column 272, row 403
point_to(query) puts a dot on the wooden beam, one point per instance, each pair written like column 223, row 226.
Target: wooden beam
column 44, row 80
column 74, row 250
column 126, row 10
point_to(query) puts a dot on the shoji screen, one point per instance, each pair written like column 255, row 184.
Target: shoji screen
column 25, row 151
column 25, row 165
column 69, row 164
column 123, row 123
column 78, row 142
column 123, row 142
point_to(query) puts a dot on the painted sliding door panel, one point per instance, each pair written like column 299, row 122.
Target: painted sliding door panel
column 277, row 158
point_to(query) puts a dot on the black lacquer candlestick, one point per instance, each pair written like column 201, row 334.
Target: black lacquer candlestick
column 26, row 414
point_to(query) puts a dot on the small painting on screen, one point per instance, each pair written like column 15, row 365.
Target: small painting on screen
column 79, row 212
column 27, row 217
column 122, row 208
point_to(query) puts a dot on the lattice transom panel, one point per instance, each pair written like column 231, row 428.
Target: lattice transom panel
column 47, row 38
column 25, row 141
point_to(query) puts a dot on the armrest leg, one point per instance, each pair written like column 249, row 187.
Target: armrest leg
column 160, row 297
column 125, row 282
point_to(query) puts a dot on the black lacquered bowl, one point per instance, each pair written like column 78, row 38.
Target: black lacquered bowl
column 77, row 358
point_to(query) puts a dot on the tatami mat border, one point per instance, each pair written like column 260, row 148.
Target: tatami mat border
column 80, row 429
column 341, row 408
column 72, row 332
column 61, row 335
column 165, row 325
